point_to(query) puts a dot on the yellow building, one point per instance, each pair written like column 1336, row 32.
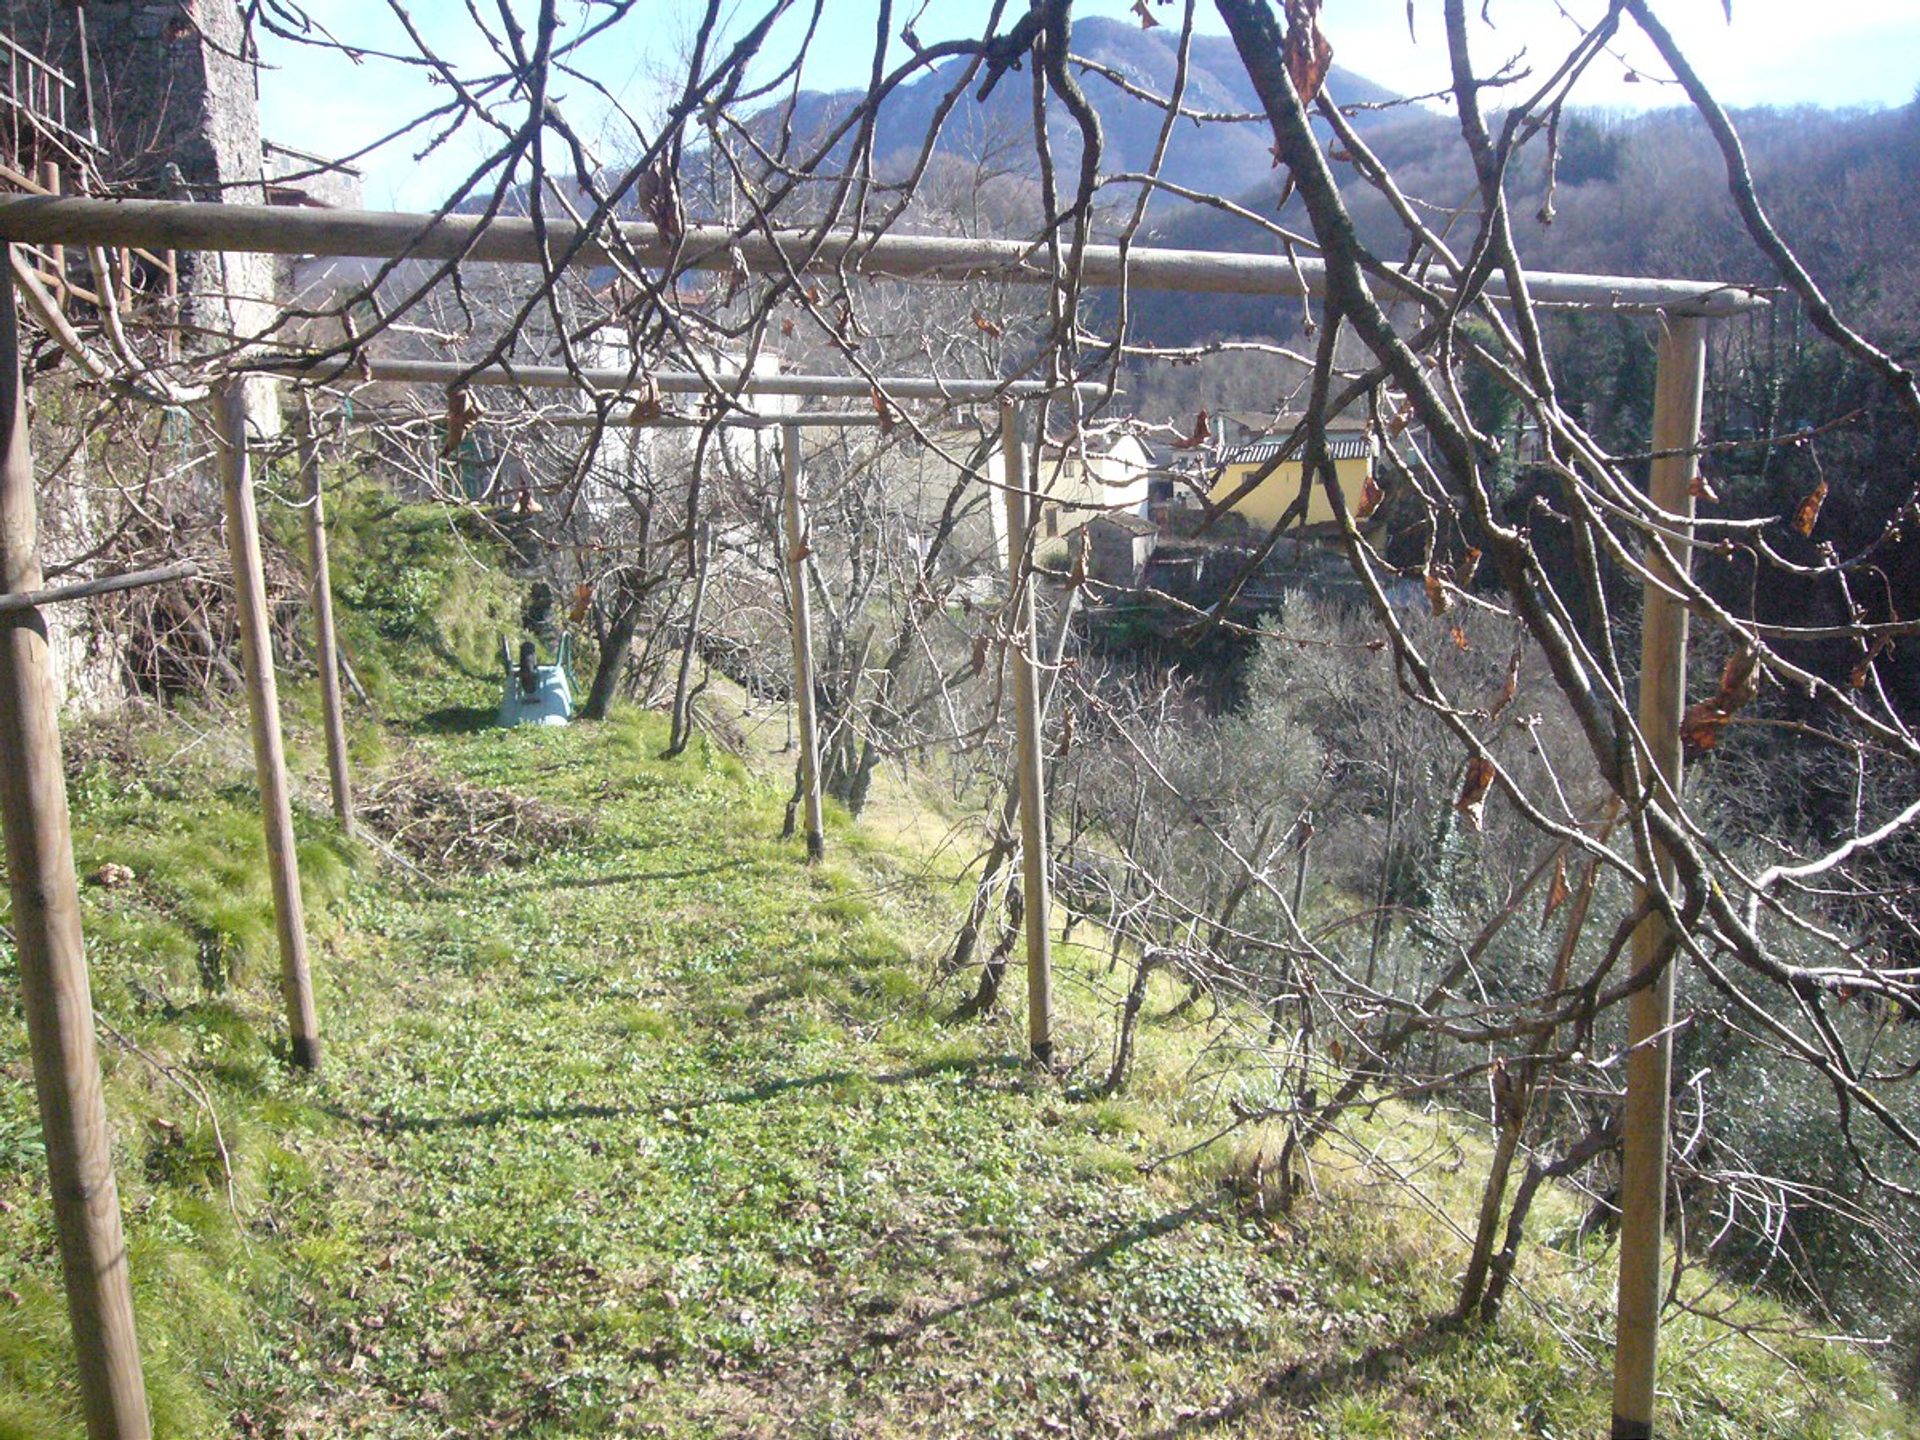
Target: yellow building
column 1264, row 504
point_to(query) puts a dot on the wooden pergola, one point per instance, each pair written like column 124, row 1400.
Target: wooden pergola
column 46, row 908
column 614, row 384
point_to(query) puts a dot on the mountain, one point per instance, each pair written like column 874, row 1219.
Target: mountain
column 1226, row 158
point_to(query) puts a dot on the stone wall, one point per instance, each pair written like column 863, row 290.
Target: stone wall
column 175, row 109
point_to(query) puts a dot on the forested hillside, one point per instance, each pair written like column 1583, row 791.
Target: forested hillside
column 1631, row 195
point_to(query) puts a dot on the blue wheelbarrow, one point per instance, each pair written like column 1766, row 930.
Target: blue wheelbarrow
column 532, row 693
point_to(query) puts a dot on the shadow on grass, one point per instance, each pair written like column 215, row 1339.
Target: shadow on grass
column 456, row 720
column 623, row 877
column 1139, row 1232
column 1305, row 1383
column 391, row 1124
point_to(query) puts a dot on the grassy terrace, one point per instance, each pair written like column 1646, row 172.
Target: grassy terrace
column 633, row 1125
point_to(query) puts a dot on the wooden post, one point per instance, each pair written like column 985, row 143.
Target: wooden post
column 173, row 295
column 1663, row 696
column 1023, row 651
column 328, row 657
column 50, row 182
column 52, row 954
column 263, row 706
column 800, row 611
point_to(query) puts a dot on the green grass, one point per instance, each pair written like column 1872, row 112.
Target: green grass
column 667, row 1134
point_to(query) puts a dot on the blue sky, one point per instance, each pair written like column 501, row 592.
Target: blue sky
column 1848, row 52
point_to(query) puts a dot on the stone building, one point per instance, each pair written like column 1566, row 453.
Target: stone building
column 1119, row 548
column 166, row 90
column 170, row 96
column 143, row 99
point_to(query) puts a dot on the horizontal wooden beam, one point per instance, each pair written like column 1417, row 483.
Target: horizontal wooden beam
column 803, row 420
column 387, row 235
column 619, row 379
column 105, row 585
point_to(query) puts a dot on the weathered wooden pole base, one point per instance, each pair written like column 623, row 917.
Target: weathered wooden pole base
column 263, row 709
column 1663, row 697
column 800, row 615
column 326, row 651
column 54, row 987
column 1023, row 652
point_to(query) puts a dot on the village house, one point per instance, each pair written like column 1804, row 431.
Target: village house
column 1097, row 474
column 1120, row 547
column 1261, row 501
column 1100, row 475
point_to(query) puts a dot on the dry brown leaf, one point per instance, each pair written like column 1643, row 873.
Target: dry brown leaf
column 1473, row 792
column 1702, row 490
column 1145, row 12
column 1739, row 680
column 1202, row 432
column 983, row 324
column 1701, row 726
column 1864, row 670
column 1557, row 891
column 1308, row 54
column 582, row 601
column 1460, row 641
column 659, row 195
column 1469, row 565
column 1704, row 723
column 1438, row 600
column 1808, row 515
column 1510, row 689
column 1370, row 497
column 884, row 410
column 463, row 413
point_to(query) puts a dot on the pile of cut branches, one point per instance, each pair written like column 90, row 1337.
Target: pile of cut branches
column 443, row 824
